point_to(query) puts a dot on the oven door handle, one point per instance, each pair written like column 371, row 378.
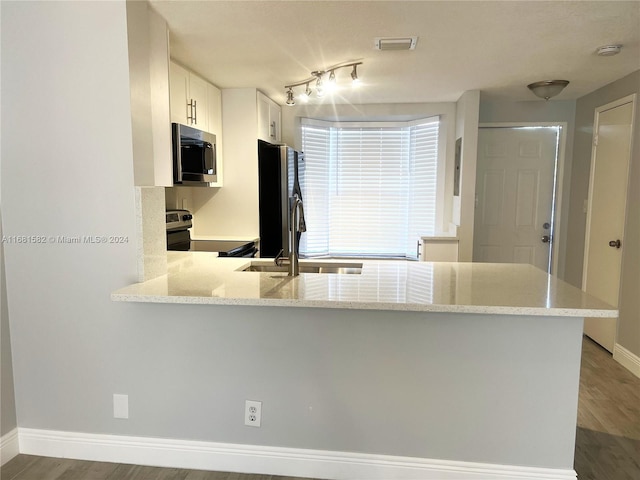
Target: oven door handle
column 251, row 253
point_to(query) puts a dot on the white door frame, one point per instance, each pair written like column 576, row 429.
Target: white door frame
column 559, row 180
column 617, row 103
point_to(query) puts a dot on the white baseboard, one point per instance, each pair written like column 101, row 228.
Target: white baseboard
column 9, row 447
column 627, row 359
column 268, row 460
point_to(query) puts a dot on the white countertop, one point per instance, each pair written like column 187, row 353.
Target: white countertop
column 509, row 289
column 440, row 238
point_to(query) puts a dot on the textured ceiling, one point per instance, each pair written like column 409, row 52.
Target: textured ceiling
column 497, row 47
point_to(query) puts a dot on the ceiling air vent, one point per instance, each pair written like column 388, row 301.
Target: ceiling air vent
column 396, row 43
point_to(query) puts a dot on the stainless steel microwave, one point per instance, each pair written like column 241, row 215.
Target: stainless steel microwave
column 194, row 156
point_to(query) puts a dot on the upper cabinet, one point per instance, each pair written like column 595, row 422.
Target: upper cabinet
column 197, row 103
column 189, row 104
column 214, row 112
column 179, row 93
column 147, row 37
column 269, row 119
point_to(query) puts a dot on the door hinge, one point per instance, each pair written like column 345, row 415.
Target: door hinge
column 595, row 140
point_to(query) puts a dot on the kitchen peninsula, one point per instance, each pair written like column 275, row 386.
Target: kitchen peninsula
column 473, row 369
column 507, row 289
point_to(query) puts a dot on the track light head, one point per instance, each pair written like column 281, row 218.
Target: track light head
column 319, row 85
column 290, row 101
column 354, row 75
column 306, row 95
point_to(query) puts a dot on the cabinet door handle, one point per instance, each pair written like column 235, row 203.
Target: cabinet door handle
column 273, row 129
column 418, row 249
column 190, row 111
column 195, row 114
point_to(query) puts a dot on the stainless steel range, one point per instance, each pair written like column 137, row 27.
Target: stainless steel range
column 179, row 222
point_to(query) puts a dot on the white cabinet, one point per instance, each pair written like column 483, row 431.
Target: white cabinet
column 198, row 98
column 197, row 103
column 188, row 94
column 439, row 249
column 178, row 93
column 269, row 119
column 214, row 111
column 214, row 122
column 147, row 37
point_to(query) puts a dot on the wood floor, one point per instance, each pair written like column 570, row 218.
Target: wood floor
column 607, row 442
column 608, row 435
column 28, row 467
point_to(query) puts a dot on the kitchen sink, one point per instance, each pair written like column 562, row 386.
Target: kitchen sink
column 308, row 267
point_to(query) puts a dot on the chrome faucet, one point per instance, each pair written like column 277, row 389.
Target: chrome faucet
column 296, row 226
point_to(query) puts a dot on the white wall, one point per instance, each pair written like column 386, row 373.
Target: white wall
column 67, row 170
column 179, row 197
column 232, row 211
column 467, row 129
column 8, row 419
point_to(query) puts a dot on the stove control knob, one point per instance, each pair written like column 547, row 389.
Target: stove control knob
column 187, row 217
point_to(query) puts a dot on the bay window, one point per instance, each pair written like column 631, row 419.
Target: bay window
column 369, row 188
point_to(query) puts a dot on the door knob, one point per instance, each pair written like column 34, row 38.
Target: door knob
column 546, row 239
column 615, row 243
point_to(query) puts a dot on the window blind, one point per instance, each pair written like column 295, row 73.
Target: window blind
column 369, row 190
column 315, row 190
column 422, row 182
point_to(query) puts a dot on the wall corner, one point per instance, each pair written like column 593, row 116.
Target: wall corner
column 467, row 121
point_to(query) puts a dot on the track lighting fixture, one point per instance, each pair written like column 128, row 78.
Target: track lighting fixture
column 321, row 87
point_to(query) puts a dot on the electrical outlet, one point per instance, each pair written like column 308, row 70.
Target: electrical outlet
column 252, row 413
column 120, row 406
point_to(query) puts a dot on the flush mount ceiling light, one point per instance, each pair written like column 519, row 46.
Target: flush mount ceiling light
column 547, row 88
column 609, row 50
column 397, row 43
column 317, row 77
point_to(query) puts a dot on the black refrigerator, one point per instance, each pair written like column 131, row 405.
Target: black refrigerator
column 280, row 172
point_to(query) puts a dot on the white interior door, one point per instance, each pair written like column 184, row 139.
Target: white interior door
column 514, row 195
column 605, row 214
